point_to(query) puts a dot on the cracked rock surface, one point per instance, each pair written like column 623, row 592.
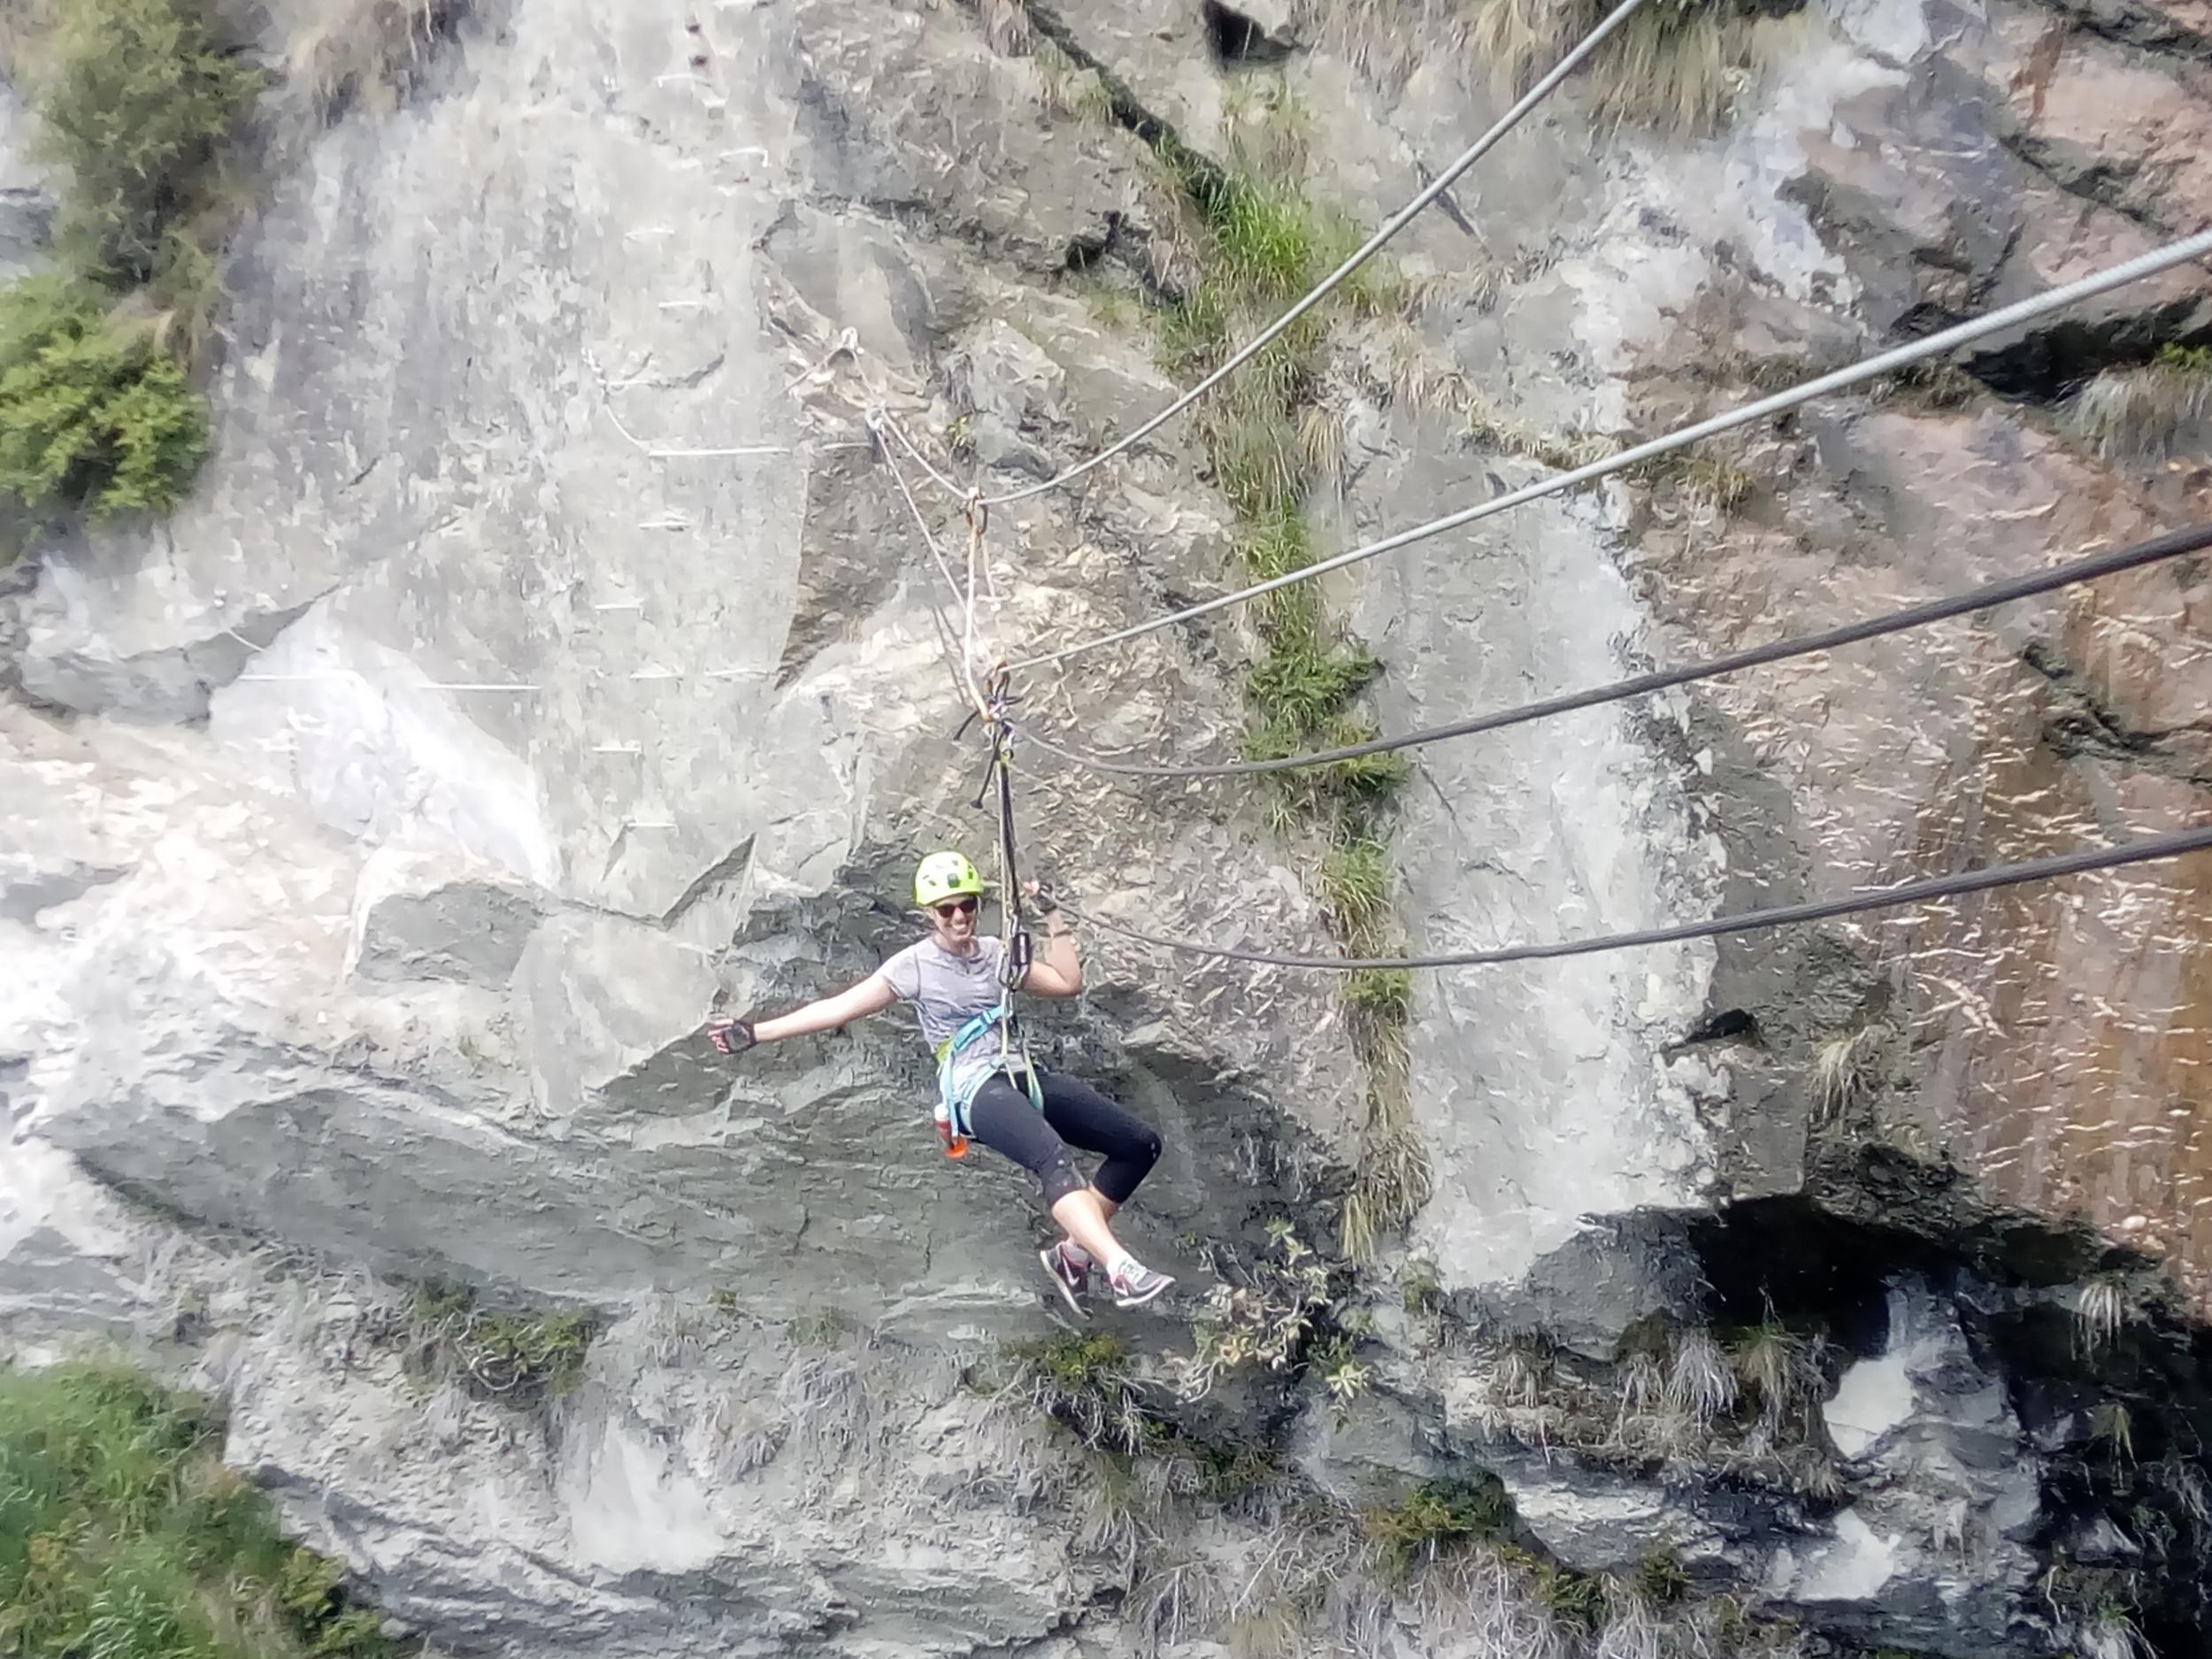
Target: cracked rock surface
column 546, row 662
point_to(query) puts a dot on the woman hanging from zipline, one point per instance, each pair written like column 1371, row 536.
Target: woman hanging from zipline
column 986, row 1086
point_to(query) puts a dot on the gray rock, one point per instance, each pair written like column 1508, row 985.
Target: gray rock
column 543, row 664
column 419, row 914
column 1932, row 1551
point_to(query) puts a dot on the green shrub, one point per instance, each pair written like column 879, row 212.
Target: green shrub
column 1661, row 1578
column 1437, row 1516
column 1383, row 994
column 530, row 1354
column 122, row 1535
column 515, row 1357
column 1086, row 1384
column 94, row 412
column 141, row 107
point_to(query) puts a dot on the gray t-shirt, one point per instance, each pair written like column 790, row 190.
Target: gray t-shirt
column 947, row 992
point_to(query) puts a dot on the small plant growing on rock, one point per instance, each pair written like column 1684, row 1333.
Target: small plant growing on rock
column 2111, row 1633
column 1084, row 1382
column 2157, row 411
column 1699, row 1384
column 1266, row 1320
column 141, row 107
column 825, row 1329
column 2099, row 1309
column 2113, row 1427
column 1437, row 1517
column 1778, row 1369
column 1420, row 1289
column 528, row 1354
column 1660, row 1578
column 517, row 1357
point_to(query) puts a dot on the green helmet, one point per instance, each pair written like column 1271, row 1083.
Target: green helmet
column 942, row 876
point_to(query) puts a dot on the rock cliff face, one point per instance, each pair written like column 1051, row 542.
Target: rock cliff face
column 547, row 661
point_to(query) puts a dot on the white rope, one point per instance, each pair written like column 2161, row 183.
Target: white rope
column 2026, row 311
column 961, row 669
column 880, row 421
column 350, row 673
column 1397, row 222
column 922, row 461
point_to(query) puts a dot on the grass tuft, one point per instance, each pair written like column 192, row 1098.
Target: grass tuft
column 365, row 54
column 1678, row 67
column 123, row 1536
column 1356, row 885
column 1699, row 1384
column 1777, row 1368
column 1845, row 1070
column 2099, row 1309
column 2159, row 411
column 1085, row 1383
column 518, row 1358
column 1436, row 1517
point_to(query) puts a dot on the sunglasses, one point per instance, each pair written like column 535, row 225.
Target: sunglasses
column 951, row 907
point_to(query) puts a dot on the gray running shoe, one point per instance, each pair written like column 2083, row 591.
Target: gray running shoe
column 1138, row 1286
column 1071, row 1280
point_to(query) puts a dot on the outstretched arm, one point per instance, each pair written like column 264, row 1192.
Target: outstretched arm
column 1058, row 971
column 871, row 996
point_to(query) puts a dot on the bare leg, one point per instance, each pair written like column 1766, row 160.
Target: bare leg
column 1107, row 1210
column 1084, row 1214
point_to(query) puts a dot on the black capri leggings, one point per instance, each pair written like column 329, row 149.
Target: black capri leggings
column 1075, row 1115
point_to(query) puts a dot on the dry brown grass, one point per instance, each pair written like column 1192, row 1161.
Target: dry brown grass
column 1678, row 67
column 360, row 54
column 25, row 26
column 2159, row 411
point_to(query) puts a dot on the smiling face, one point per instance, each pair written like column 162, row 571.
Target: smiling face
column 953, row 921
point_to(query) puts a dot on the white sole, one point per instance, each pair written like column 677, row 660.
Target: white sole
column 1164, row 1285
column 1067, row 1293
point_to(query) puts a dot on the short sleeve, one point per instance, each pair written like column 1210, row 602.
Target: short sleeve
column 903, row 974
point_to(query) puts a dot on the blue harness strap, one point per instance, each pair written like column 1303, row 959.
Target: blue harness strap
column 956, row 1100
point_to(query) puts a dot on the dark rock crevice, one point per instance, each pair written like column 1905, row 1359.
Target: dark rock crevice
column 2059, row 357
column 1141, row 122
column 2117, row 1415
column 1236, row 41
column 2082, row 724
column 2134, row 23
